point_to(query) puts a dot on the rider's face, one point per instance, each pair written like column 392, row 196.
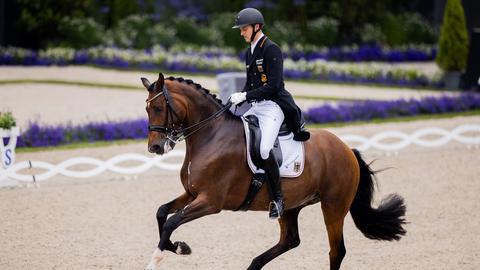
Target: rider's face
column 246, row 32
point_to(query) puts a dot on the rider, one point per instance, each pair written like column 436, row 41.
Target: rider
column 271, row 103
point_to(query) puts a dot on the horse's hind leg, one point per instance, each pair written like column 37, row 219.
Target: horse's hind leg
column 289, row 239
column 334, row 217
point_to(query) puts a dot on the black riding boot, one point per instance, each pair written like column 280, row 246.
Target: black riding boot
column 274, row 186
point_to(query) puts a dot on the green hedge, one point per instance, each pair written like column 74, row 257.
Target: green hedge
column 143, row 31
column 45, row 23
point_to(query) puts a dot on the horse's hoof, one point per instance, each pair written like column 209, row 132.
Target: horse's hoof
column 181, row 248
column 151, row 266
column 154, row 263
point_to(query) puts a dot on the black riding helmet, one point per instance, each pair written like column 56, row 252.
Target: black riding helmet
column 249, row 16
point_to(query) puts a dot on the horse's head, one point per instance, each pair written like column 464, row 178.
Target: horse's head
column 165, row 116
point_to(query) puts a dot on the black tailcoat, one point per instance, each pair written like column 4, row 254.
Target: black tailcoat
column 265, row 81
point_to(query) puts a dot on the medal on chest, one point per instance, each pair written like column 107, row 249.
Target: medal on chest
column 259, row 63
column 264, row 78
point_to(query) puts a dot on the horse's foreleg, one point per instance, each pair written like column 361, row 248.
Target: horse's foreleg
column 289, row 238
column 162, row 214
column 197, row 208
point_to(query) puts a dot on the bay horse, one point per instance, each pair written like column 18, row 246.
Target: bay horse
column 216, row 177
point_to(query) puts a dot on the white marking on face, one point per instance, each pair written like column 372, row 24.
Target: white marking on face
column 166, row 147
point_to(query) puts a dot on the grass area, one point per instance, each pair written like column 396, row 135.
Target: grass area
column 324, row 98
column 311, row 126
column 397, row 119
column 79, row 145
column 140, row 87
column 372, row 85
column 77, row 83
column 185, row 74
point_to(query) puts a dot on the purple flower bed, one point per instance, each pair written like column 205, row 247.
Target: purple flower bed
column 219, row 61
column 380, row 79
column 363, row 53
column 370, row 109
column 366, row 53
column 38, row 136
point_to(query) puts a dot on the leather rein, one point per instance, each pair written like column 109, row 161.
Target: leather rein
column 179, row 134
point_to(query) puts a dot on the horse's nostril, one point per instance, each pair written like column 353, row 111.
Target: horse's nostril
column 154, row 148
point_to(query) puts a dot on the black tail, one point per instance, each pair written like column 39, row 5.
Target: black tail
column 384, row 222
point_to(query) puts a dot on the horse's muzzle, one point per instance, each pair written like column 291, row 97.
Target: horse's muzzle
column 161, row 148
column 156, row 149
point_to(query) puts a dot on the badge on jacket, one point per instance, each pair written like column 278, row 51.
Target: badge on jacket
column 259, row 65
column 264, row 78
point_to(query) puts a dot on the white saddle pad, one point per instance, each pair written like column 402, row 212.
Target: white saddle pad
column 293, row 154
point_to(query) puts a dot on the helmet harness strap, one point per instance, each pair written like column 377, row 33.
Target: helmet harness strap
column 254, row 32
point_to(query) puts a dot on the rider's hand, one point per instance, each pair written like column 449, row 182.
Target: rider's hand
column 237, row 98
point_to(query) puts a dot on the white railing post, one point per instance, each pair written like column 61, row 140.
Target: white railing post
column 7, row 152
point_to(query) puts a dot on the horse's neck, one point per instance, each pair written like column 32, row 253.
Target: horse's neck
column 199, row 111
column 217, row 131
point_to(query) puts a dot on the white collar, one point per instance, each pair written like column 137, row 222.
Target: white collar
column 252, row 47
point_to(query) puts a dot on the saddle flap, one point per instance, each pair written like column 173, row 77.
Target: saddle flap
column 254, row 142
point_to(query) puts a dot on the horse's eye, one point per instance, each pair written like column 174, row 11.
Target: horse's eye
column 157, row 109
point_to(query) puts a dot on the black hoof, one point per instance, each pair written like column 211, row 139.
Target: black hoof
column 182, row 248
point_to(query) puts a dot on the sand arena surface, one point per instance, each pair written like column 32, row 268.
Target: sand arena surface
column 108, row 221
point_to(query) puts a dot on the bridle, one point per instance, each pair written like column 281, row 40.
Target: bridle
column 179, row 134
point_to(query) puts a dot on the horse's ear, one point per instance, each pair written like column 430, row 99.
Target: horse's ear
column 160, row 81
column 146, row 83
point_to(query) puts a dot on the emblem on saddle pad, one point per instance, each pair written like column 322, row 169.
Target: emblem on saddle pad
column 296, row 166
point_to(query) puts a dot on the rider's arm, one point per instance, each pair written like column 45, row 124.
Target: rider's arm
column 274, row 71
column 247, row 81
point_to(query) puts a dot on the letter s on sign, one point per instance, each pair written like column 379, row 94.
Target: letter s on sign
column 8, row 157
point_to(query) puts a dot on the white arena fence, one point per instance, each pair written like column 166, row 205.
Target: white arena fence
column 100, row 166
column 465, row 134
column 419, row 138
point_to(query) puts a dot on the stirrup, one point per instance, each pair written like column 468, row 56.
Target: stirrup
column 275, row 209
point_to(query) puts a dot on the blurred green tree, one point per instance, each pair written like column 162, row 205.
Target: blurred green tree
column 39, row 20
column 453, row 44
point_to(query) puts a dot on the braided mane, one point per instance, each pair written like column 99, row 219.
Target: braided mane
column 196, row 86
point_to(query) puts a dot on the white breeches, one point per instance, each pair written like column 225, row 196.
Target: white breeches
column 270, row 118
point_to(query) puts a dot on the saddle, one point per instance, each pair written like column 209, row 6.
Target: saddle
column 290, row 156
column 255, row 138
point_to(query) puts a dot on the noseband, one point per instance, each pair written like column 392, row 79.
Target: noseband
column 179, row 134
